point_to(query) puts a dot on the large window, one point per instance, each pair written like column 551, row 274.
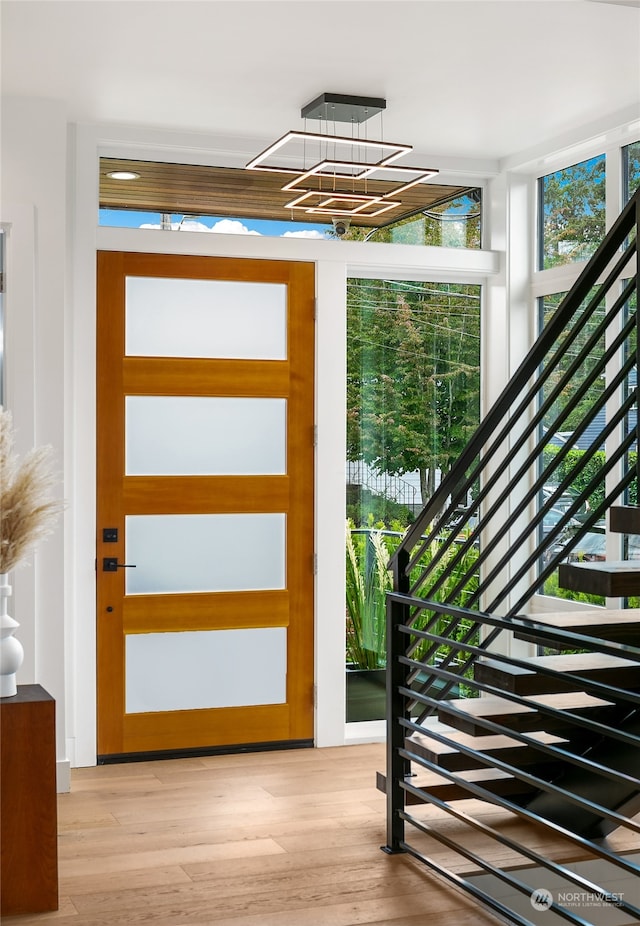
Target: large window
column 455, row 223
column 630, row 170
column 571, row 226
column 578, row 405
column 571, row 213
column 413, row 383
column 413, row 400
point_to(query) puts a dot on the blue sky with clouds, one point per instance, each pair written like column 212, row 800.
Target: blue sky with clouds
column 124, row 218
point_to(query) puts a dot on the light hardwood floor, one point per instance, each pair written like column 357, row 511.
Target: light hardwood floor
column 287, row 838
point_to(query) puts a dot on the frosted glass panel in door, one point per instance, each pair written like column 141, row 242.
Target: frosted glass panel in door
column 205, row 318
column 191, row 670
column 204, row 552
column 203, row 435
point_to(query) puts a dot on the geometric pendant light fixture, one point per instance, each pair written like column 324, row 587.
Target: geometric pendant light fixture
column 334, row 174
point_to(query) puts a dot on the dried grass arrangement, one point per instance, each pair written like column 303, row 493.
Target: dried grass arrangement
column 27, row 512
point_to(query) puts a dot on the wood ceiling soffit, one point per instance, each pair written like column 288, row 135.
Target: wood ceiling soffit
column 188, row 189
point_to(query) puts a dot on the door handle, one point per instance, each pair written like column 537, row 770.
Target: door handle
column 111, row 564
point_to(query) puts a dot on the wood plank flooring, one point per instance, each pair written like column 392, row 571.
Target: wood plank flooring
column 286, row 838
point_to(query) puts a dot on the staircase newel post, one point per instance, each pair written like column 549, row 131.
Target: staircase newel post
column 397, row 615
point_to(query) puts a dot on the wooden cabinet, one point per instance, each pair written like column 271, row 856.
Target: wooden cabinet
column 28, row 803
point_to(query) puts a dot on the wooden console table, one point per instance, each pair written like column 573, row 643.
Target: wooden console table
column 28, row 803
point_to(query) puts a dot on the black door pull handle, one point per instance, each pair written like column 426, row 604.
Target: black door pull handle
column 111, row 564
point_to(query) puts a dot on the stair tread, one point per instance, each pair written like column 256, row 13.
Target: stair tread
column 423, row 778
column 608, row 566
column 600, row 667
column 611, row 578
column 488, row 707
column 492, row 743
column 571, row 663
column 624, row 519
column 494, row 780
column 470, row 713
column 605, row 624
column 449, row 756
column 582, row 662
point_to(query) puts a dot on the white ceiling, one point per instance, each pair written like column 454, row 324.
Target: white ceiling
column 467, row 78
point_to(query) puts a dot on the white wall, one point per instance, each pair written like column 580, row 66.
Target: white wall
column 34, row 207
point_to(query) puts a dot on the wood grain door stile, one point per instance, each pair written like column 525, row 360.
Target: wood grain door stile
column 119, row 495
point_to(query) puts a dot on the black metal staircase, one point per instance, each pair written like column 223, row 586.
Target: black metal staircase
column 550, row 729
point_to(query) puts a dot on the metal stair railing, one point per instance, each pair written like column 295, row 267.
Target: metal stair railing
column 480, row 550
column 520, row 394
column 566, row 754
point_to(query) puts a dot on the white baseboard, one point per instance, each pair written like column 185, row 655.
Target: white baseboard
column 371, row 731
column 63, row 776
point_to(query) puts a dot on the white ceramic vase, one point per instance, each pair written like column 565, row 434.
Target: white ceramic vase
column 11, row 651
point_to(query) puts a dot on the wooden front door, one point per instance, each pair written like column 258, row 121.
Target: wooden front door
column 205, row 502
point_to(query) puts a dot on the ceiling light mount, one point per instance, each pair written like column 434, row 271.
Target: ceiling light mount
column 340, row 107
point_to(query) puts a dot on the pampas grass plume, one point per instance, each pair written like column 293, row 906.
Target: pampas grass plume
column 27, row 512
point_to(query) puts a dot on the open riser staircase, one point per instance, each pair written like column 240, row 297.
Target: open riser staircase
column 549, row 728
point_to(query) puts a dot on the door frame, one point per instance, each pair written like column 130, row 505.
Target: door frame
column 329, row 490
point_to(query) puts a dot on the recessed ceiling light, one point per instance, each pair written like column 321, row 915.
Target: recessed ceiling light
column 123, row 175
